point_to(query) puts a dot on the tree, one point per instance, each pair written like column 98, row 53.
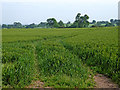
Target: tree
column 61, row 24
column 52, row 23
column 10, row 26
column 31, row 25
column 86, row 22
column 4, row 26
column 68, row 24
column 109, row 25
column 42, row 25
column 17, row 25
column 74, row 25
column 93, row 22
column 98, row 24
column 80, row 21
column 111, row 20
column 86, row 17
column 77, row 18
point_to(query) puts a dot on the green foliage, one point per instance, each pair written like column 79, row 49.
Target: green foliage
column 17, row 25
column 61, row 24
column 109, row 24
column 100, row 58
column 55, row 61
column 18, row 66
column 61, row 54
column 52, row 23
column 80, row 21
column 31, row 25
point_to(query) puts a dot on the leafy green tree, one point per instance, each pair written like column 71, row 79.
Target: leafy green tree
column 17, row 25
column 85, row 20
column 33, row 25
column 98, row 24
column 4, row 26
column 10, row 26
column 111, row 20
column 86, row 17
column 68, row 24
column 74, row 25
column 81, row 21
column 77, row 18
column 93, row 22
column 52, row 23
column 109, row 25
column 61, row 24
column 42, row 25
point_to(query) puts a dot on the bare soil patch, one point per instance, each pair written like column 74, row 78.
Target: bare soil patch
column 37, row 84
column 104, row 82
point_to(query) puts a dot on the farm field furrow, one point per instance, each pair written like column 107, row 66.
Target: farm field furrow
column 61, row 58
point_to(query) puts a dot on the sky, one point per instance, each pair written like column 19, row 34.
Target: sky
column 36, row 11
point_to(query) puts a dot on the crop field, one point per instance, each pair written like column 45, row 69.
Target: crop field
column 60, row 58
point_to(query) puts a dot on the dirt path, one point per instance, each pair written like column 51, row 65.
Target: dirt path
column 37, row 84
column 104, row 82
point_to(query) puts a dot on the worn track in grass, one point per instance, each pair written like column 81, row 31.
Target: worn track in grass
column 104, row 82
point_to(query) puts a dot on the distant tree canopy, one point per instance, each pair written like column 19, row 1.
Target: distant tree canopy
column 31, row 25
column 52, row 23
column 4, row 26
column 112, row 22
column 61, row 24
column 14, row 25
column 17, row 25
column 109, row 24
column 80, row 21
column 68, row 24
column 43, row 25
column 93, row 22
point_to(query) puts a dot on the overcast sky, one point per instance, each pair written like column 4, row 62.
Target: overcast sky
column 36, row 11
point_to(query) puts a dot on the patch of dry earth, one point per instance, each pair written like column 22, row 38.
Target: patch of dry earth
column 104, row 82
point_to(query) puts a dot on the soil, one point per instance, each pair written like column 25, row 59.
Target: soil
column 37, row 84
column 104, row 82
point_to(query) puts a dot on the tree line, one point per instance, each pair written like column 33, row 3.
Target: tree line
column 80, row 22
